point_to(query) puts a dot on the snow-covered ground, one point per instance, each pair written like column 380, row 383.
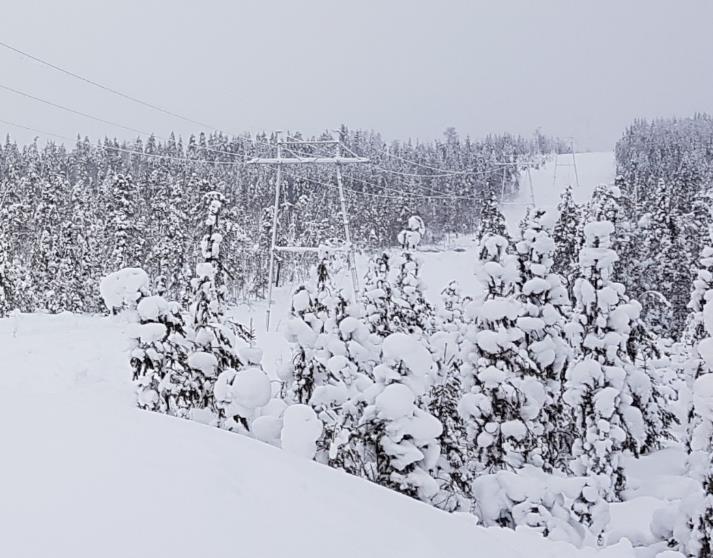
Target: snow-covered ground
column 83, row 473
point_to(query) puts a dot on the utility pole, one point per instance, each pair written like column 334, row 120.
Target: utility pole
column 573, row 164
column 338, row 161
column 531, row 190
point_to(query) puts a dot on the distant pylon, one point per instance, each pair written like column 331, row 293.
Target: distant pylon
column 338, row 160
column 573, row 164
column 531, row 190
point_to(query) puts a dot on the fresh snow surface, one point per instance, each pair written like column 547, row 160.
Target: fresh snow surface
column 85, row 474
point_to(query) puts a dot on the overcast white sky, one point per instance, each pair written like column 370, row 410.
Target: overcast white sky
column 405, row 68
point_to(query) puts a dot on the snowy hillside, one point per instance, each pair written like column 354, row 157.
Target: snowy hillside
column 85, row 474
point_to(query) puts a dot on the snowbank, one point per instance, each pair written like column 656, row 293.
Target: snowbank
column 85, row 474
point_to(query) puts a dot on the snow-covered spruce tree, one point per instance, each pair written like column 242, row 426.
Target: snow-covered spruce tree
column 168, row 253
column 308, row 318
column 694, row 532
column 664, row 274
column 46, row 252
column 567, row 236
column 646, row 378
column 333, row 354
column 696, row 330
column 610, row 204
column 399, row 440
column 503, row 393
column 376, row 294
column 545, row 311
column 442, row 399
column 702, row 292
column 393, row 296
column 7, row 276
column 410, row 312
column 123, row 214
column 605, row 421
column 214, row 337
column 492, row 221
column 159, row 359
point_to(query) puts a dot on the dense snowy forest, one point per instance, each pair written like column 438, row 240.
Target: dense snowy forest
column 521, row 406
column 68, row 216
column 666, row 169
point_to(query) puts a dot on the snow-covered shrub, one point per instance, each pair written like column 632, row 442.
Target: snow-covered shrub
column 410, row 237
column 548, row 503
column 159, row 359
column 122, row 289
column 300, row 431
column 239, row 394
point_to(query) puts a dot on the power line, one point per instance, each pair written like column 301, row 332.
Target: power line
column 446, row 172
column 438, row 195
column 71, row 110
column 106, row 87
column 109, row 122
column 443, row 172
column 35, row 130
column 403, row 194
column 409, row 174
column 123, row 95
